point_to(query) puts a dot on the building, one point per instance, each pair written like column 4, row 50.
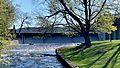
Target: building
column 57, row 35
column 46, row 35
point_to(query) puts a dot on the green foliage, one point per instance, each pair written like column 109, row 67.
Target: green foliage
column 90, row 58
column 7, row 17
column 3, row 49
column 69, row 34
column 104, row 23
column 5, row 46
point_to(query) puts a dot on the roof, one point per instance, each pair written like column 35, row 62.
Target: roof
column 44, row 30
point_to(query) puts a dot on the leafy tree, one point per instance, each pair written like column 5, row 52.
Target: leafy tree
column 104, row 23
column 7, row 17
column 78, row 14
column 106, row 20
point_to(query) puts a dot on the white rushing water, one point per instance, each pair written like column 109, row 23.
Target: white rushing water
column 35, row 56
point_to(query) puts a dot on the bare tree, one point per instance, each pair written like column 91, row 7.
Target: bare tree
column 77, row 14
column 23, row 19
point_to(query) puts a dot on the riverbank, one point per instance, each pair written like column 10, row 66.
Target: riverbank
column 5, row 47
column 7, row 44
column 66, row 63
column 103, row 54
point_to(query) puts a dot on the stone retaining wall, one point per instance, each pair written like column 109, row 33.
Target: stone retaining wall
column 66, row 63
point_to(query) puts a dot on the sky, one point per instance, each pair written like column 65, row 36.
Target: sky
column 26, row 6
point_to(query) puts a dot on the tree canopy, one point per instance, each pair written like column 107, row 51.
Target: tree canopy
column 7, row 17
column 104, row 23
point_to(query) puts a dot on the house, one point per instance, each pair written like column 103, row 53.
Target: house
column 49, row 35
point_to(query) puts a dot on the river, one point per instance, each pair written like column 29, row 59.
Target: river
column 35, row 56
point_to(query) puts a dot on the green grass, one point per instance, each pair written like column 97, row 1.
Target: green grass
column 91, row 58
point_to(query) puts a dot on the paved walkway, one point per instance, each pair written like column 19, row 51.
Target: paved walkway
column 34, row 56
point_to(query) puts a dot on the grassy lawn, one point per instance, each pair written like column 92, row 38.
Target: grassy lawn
column 103, row 54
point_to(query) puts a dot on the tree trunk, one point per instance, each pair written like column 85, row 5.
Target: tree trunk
column 111, row 37
column 87, row 40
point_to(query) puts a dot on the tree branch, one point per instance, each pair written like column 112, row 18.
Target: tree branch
column 99, row 10
column 72, row 15
column 22, row 24
column 54, row 13
column 70, row 25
